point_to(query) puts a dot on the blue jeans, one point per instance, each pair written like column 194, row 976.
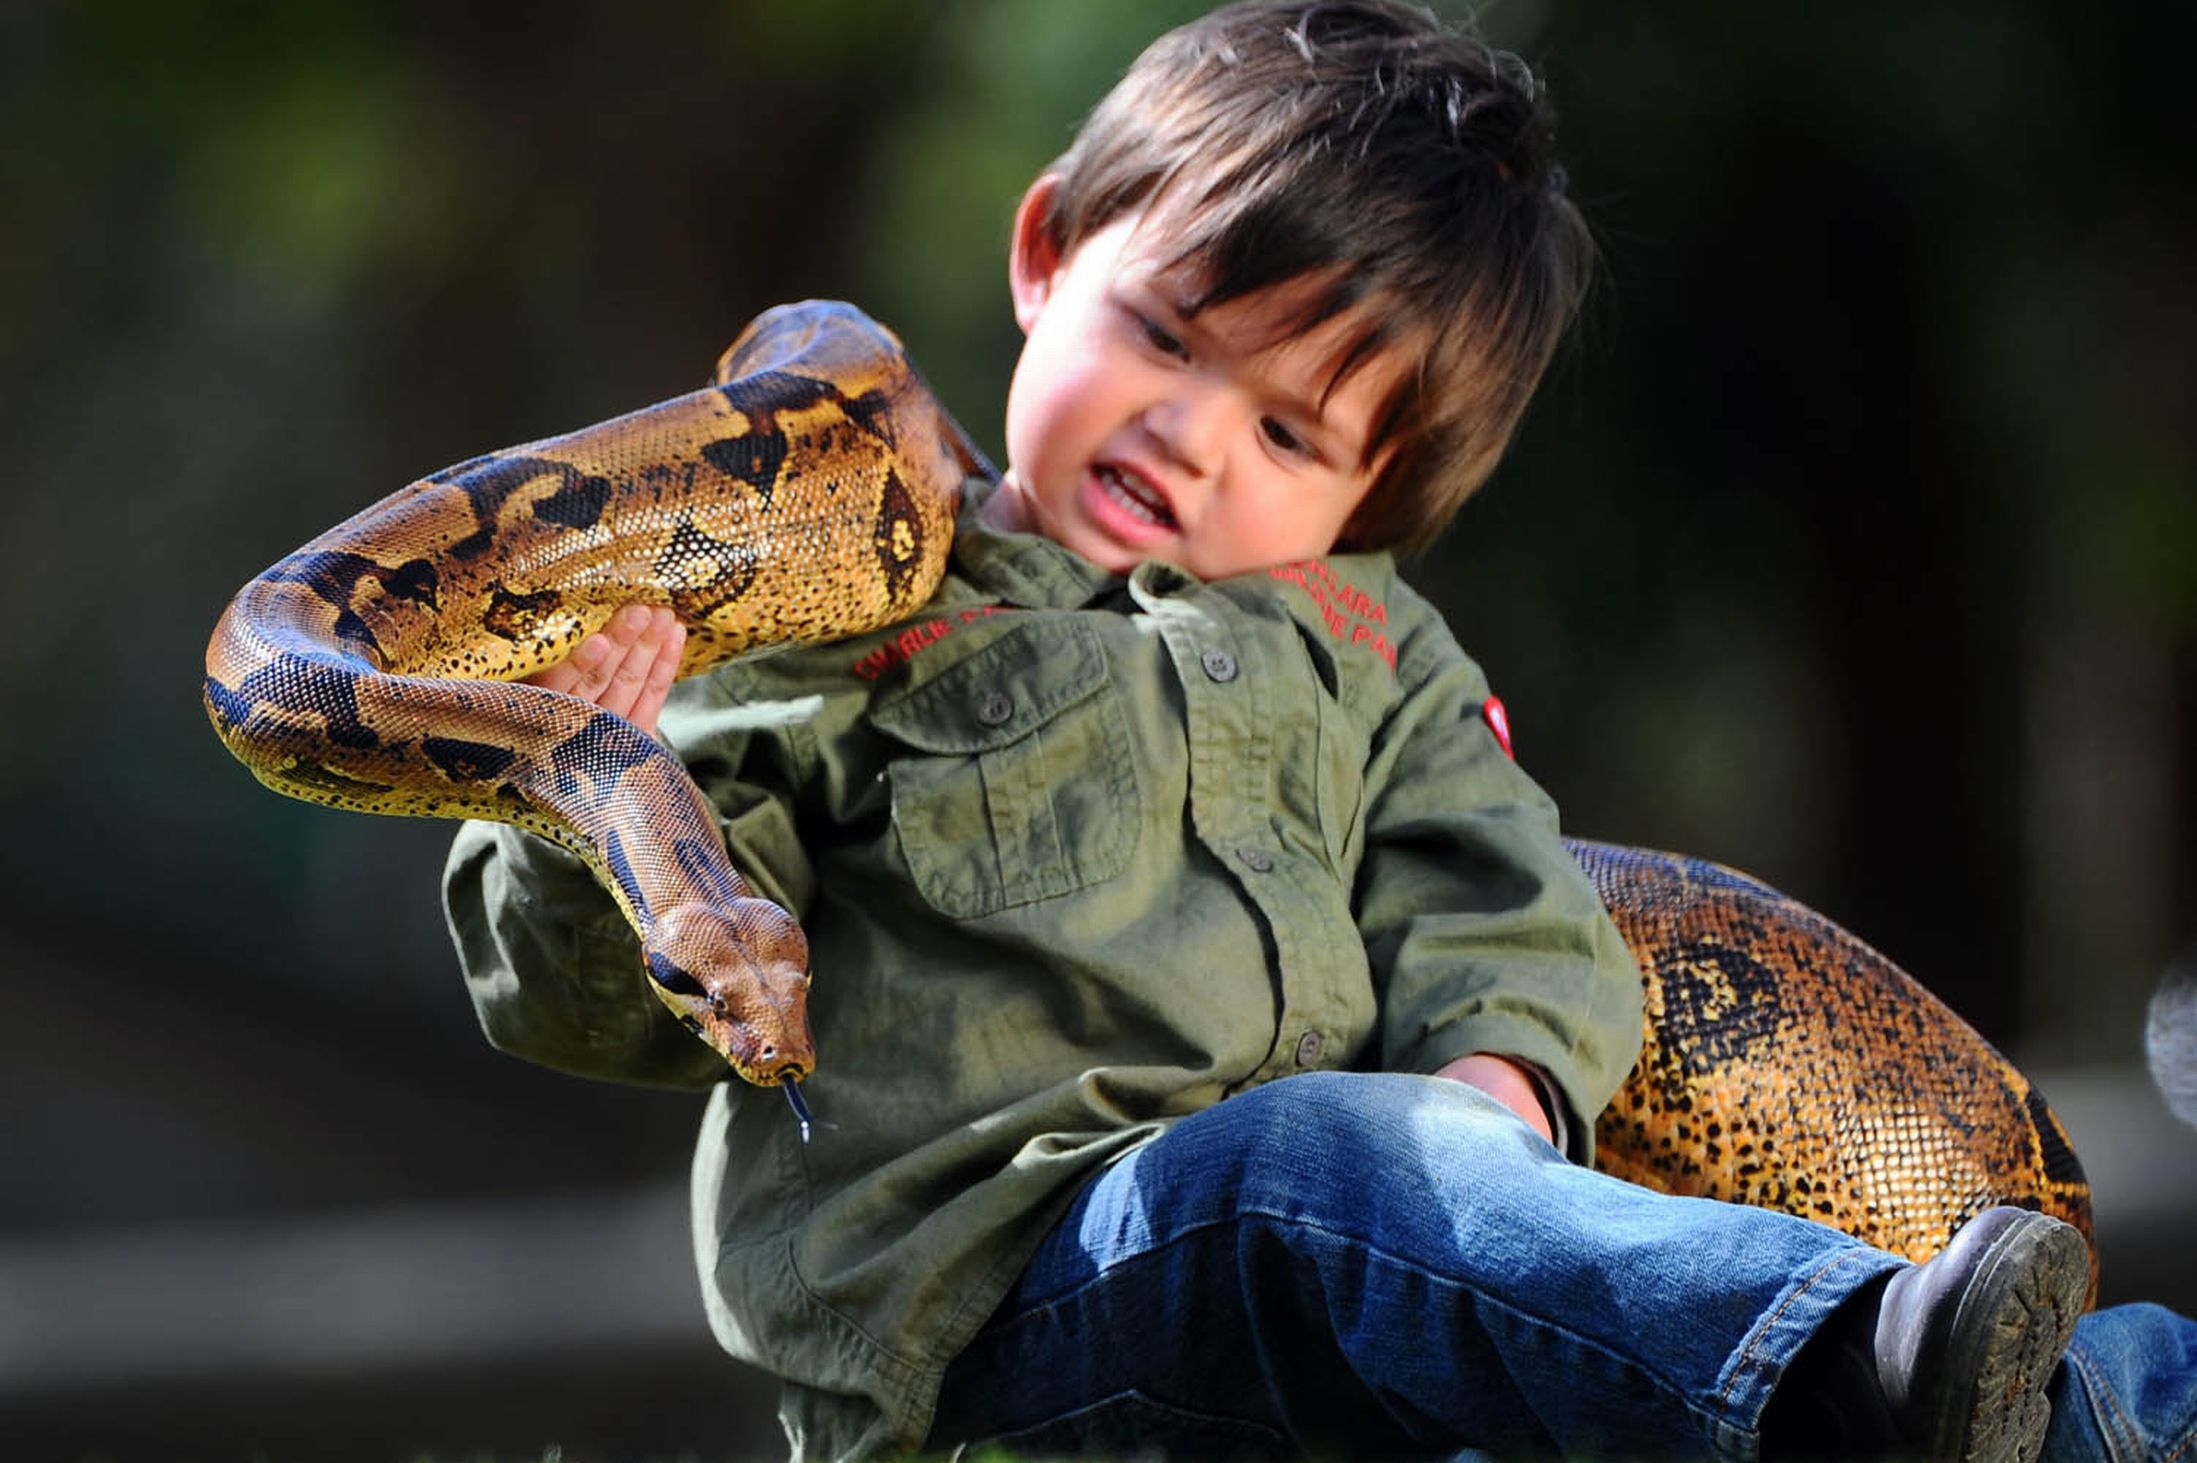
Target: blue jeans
column 1379, row 1266
column 2128, row 1389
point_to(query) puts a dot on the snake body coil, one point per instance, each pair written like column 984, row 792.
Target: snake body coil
column 809, row 494
column 1787, row 1065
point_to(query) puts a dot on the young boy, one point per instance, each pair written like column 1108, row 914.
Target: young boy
column 1174, row 790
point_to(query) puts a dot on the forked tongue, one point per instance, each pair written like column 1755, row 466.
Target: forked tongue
column 799, row 1104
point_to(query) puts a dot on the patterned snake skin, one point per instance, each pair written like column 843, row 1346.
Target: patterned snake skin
column 1788, row 1065
column 809, row 494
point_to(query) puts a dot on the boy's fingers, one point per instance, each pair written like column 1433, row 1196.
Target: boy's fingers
column 626, row 667
column 668, row 657
column 628, row 678
column 660, row 676
column 576, row 670
column 631, row 675
column 592, row 669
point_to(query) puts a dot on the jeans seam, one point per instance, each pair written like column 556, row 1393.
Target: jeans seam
column 1749, row 1352
column 1372, row 1249
column 2114, row 1423
column 2181, row 1449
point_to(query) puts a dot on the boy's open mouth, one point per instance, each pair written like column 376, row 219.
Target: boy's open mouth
column 1134, row 494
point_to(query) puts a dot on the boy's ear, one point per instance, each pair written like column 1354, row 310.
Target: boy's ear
column 1033, row 258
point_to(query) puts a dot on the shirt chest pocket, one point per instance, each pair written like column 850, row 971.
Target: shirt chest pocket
column 1017, row 782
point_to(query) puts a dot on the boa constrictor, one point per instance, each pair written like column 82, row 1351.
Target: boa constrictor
column 809, row 494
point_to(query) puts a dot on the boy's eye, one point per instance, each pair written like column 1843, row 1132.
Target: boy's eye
column 1277, row 432
column 1161, row 339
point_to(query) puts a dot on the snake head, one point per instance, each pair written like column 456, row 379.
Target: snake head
column 739, row 979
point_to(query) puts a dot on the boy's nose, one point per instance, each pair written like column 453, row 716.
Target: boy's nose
column 1188, row 424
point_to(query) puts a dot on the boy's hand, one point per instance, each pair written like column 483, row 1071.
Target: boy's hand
column 626, row 667
column 1507, row 1082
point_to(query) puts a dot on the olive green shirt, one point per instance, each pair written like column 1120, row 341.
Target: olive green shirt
column 1077, row 855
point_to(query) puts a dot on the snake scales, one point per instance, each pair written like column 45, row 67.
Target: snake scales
column 808, row 494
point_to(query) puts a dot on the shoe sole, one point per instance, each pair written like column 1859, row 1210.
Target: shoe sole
column 2011, row 1327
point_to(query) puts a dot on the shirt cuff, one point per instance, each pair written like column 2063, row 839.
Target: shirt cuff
column 1554, row 1108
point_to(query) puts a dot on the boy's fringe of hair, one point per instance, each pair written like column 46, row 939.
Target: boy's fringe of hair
column 1406, row 170
column 2170, row 1037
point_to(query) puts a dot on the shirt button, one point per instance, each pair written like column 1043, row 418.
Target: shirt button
column 995, row 708
column 1219, row 664
column 1255, row 859
column 1308, row 1048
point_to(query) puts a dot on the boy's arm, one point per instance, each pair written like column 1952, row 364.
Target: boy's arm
column 1485, row 938
column 552, row 967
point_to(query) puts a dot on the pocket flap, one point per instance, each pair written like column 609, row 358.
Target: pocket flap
column 999, row 694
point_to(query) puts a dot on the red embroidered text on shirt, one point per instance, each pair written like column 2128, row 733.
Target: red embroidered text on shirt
column 1348, row 611
column 904, row 646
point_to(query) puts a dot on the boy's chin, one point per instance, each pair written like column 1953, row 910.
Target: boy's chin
column 1013, row 509
column 1103, row 550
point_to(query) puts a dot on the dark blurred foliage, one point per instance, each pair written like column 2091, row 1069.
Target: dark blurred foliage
column 1853, row 541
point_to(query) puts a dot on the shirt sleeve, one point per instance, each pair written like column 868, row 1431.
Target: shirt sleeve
column 1483, row 933
column 553, row 969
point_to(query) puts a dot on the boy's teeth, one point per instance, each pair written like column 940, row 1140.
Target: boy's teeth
column 1132, row 494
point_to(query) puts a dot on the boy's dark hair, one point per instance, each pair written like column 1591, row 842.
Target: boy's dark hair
column 1406, row 169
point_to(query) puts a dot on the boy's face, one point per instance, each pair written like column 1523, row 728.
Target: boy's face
column 1134, row 432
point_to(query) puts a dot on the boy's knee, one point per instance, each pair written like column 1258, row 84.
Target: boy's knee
column 1343, row 1105
column 1351, row 1130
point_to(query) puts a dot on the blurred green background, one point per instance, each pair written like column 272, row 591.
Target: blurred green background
column 1853, row 542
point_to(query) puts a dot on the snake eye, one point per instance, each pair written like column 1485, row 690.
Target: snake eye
column 666, row 973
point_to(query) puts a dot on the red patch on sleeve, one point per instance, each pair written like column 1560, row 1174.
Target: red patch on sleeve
column 1498, row 720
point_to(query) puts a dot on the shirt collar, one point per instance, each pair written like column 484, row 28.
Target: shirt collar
column 1024, row 569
